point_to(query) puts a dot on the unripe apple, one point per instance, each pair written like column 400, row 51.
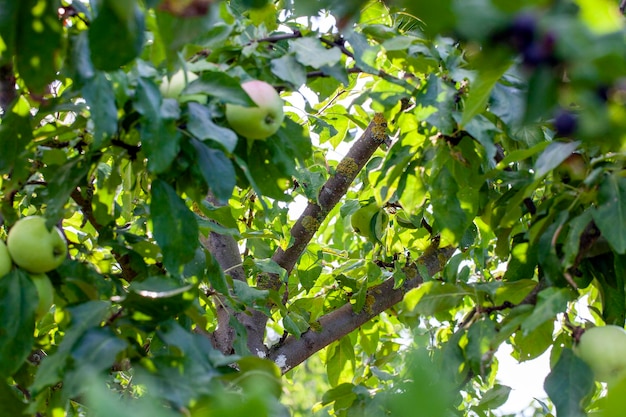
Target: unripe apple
column 573, row 169
column 603, row 348
column 5, row 259
column 33, row 247
column 370, row 221
column 45, row 291
column 174, row 86
column 258, row 122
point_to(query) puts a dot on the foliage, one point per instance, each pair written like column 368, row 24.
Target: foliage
column 192, row 289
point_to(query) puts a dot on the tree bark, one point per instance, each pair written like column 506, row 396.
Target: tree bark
column 340, row 322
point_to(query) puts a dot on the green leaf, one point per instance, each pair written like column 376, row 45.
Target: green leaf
column 159, row 137
column 610, row 214
column 449, row 216
column 569, row 382
column 481, row 87
column 542, row 94
column 116, row 35
column 94, row 352
column 532, row 344
column 10, row 404
column 83, row 317
column 609, row 270
column 99, row 95
column 202, row 127
column 479, row 349
column 38, row 43
column 15, row 134
column 175, row 226
column 494, row 398
column 552, row 156
column 550, row 302
column 103, row 402
column 340, row 362
column 310, row 52
column 18, row 302
column 295, row 324
column 217, row 170
column 159, row 297
column 8, row 23
column 434, row 297
column 219, row 85
column 287, row 68
column 175, row 32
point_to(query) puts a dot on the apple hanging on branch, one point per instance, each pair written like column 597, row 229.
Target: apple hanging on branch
column 6, row 263
column 34, row 247
column 173, row 87
column 261, row 121
column 370, row 221
column 603, row 348
column 45, row 292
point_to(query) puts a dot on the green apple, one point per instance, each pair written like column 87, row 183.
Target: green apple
column 33, row 247
column 261, row 121
column 174, row 86
column 5, row 259
column 45, row 291
column 573, row 169
column 603, row 348
column 370, row 221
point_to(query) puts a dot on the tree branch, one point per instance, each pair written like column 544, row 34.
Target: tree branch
column 225, row 250
column 344, row 320
column 335, row 188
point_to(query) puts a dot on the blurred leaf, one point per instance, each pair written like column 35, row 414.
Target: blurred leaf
column 426, row 392
column 18, row 302
column 569, row 382
column 108, row 404
column 175, row 226
column 38, row 43
column 610, row 214
column 116, row 35
column 10, row 405
column 15, row 134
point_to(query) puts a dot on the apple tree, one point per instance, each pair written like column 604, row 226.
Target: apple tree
column 297, row 207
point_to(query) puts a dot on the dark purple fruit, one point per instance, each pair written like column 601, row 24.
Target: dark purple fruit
column 565, row 123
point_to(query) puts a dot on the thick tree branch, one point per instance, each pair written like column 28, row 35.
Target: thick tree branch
column 335, row 188
column 226, row 252
column 7, row 86
column 344, row 320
